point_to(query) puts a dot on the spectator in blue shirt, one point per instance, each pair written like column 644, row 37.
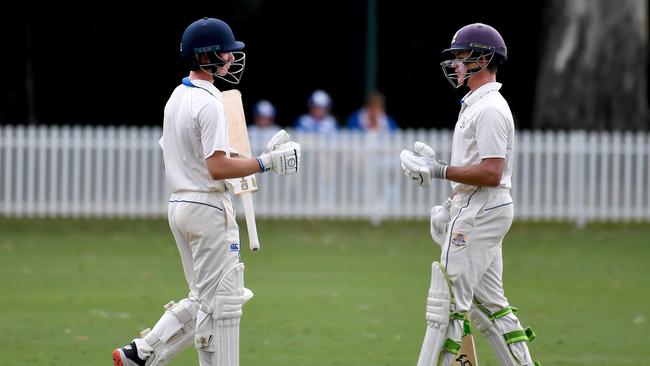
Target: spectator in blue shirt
column 372, row 116
column 318, row 119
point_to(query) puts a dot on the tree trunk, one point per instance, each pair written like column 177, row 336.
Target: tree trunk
column 594, row 66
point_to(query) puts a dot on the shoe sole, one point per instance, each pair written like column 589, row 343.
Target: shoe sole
column 117, row 358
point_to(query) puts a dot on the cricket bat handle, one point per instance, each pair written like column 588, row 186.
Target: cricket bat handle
column 253, row 240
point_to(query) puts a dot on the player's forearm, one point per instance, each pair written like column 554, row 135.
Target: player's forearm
column 233, row 168
column 476, row 175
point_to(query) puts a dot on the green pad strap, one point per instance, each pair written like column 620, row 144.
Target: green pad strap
column 503, row 312
column 457, row 316
column 451, row 346
column 537, row 363
column 515, row 336
column 530, row 334
column 482, row 308
column 467, row 329
column 499, row 314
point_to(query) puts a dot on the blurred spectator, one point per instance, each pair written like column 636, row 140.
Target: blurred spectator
column 318, row 119
column 372, row 116
column 263, row 118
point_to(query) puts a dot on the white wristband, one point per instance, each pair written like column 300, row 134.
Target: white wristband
column 439, row 170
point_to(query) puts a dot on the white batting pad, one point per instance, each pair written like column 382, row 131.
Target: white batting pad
column 173, row 333
column 515, row 354
column 437, row 316
column 221, row 347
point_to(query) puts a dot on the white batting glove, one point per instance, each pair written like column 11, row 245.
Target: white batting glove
column 279, row 138
column 284, row 159
column 420, row 165
column 440, row 217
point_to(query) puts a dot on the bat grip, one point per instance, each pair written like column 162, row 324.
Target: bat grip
column 253, row 240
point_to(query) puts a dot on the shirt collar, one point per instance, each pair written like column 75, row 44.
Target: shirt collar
column 471, row 97
column 203, row 84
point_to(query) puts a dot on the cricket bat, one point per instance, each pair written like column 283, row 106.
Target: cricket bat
column 467, row 354
column 238, row 137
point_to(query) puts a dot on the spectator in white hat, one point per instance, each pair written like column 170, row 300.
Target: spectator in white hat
column 318, row 119
column 263, row 118
column 263, row 126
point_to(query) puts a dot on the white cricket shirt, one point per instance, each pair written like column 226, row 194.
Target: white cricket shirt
column 485, row 129
column 194, row 128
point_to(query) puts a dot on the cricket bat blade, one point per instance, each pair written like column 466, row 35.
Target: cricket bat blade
column 467, row 353
column 247, row 201
column 240, row 147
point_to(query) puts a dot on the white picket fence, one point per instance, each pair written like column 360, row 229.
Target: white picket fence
column 118, row 172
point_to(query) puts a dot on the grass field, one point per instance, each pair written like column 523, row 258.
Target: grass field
column 326, row 293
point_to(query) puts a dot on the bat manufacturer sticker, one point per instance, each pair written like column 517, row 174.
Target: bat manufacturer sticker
column 463, row 361
column 244, row 184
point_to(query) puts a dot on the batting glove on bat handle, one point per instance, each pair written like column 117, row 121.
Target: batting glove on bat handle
column 280, row 137
column 284, row 159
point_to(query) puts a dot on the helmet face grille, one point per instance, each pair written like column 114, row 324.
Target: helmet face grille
column 228, row 70
column 458, row 70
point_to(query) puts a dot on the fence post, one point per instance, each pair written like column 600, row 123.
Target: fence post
column 577, row 178
column 7, row 147
column 549, row 159
column 43, row 150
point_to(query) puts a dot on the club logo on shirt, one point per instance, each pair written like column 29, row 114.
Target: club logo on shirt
column 234, row 247
column 458, row 239
column 462, row 122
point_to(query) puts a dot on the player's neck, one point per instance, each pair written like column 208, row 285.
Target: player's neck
column 480, row 79
column 201, row 75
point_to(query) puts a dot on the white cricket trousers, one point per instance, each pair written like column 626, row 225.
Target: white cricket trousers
column 473, row 259
column 472, row 252
column 207, row 237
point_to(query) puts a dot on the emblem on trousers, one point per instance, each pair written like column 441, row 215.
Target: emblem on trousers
column 458, row 239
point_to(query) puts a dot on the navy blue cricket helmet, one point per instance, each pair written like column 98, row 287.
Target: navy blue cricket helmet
column 212, row 37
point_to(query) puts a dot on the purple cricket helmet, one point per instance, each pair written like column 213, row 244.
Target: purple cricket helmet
column 481, row 40
column 478, row 37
